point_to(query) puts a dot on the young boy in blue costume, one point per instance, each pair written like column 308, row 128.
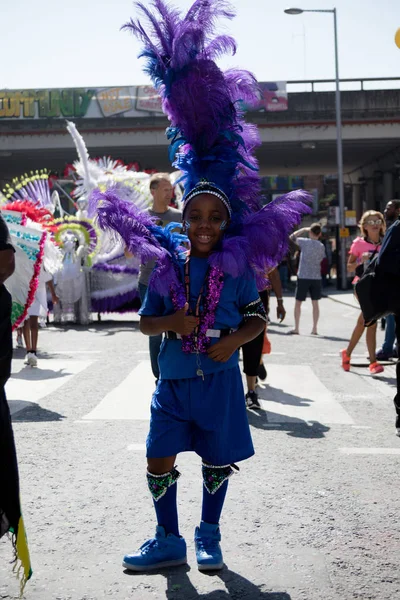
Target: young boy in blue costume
column 199, row 402
column 206, row 302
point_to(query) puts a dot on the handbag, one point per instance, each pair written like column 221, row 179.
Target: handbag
column 378, row 292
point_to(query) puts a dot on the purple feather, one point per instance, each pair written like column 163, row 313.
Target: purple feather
column 117, row 303
column 221, row 45
column 243, row 86
column 262, row 239
column 132, row 224
column 202, row 102
column 233, row 258
column 115, row 268
column 164, row 276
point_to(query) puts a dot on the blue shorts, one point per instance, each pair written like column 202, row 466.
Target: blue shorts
column 207, row 417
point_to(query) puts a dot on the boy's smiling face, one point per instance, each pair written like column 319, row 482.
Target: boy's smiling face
column 205, row 215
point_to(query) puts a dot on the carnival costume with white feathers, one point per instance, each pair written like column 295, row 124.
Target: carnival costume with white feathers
column 112, row 278
column 199, row 403
column 38, row 257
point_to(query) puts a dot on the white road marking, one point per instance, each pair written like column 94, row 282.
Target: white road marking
column 130, row 399
column 361, row 427
column 379, row 382
column 295, row 393
column 387, row 451
column 28, row 385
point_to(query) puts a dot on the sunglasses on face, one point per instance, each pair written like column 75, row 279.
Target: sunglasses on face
column 374, row 222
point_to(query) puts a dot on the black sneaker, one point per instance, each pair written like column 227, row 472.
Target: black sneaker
column 262, row 372
column 252, row 400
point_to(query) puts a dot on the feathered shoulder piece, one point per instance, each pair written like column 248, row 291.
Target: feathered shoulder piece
column 32, row 211
column 34, row 187
column 210, row 141
column 142, row 237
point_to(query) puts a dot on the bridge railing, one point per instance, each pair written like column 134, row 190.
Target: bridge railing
column 352, row 84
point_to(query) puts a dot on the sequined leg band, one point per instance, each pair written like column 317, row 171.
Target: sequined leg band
column 214, row 476
column 159, row 484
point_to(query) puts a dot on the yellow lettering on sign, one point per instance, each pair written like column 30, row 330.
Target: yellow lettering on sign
column 18, row 97
column 10, row 106
column 2, row 108
column 28, row 100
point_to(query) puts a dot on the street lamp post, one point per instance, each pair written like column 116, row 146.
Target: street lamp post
column 342, row 220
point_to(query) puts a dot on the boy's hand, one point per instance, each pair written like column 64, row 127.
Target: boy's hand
column 182, row 323
column 222, row 350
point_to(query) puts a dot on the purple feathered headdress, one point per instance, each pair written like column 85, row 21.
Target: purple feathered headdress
column 209, row 139
column 210, row 143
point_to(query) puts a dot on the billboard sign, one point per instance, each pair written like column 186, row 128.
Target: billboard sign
column 274, row 96
column 100, row 103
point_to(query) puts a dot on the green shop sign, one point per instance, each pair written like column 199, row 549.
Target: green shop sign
column 45, row 104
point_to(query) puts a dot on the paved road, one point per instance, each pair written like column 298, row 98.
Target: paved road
column 312, row 516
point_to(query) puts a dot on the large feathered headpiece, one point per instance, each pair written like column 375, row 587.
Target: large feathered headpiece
column 210, row 143
column 209, row 140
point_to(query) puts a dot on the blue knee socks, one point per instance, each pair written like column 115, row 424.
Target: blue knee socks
column 213, row 503
column 167, row 511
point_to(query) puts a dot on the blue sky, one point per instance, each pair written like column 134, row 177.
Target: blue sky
column 53, row 43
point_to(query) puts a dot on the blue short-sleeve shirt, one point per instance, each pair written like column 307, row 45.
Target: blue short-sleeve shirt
column 236, row 294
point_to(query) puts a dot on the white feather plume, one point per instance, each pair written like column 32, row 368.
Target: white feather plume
column 89, row 182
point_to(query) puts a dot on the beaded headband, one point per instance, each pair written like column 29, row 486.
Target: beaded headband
column 206, row 187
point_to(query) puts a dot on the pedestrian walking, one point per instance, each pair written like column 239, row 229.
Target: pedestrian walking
column 36, row 311
column 372, row 226
column 10, row 509
column 206, row 301
column 253, row 365
column 389, row 349
column 162, row 192
column 312, row 252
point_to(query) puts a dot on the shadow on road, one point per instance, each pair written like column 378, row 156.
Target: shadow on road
column 389, row 380
column 331, row 338
column 263, row 419
column 273, row 394
column 179, row 586
column 35, row 414
column 38, row 374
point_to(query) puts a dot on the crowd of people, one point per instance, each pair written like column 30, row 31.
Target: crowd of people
column 205, row 280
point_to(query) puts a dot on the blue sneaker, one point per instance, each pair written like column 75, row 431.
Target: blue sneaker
column 381, row 354
column 161, row 551
column 208, row 551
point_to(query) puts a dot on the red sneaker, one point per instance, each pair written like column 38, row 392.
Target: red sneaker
column 345, row 360
column 375, row 368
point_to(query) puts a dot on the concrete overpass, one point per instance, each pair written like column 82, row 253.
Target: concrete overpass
column 298, row 141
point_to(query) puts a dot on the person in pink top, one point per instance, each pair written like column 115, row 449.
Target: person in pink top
column 372, row 227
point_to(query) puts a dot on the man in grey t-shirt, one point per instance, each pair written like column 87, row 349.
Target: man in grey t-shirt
column 312, row 252
column 162, row 192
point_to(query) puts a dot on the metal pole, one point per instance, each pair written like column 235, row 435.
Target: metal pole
column 342, row 221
